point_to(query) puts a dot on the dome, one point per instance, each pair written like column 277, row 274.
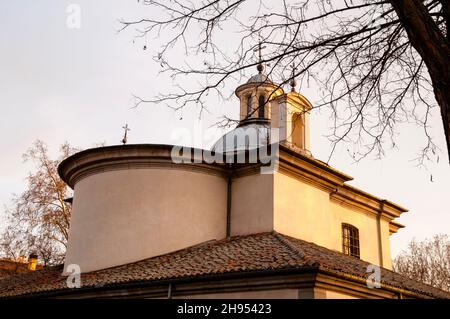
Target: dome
column 248, row 135
column 259, row 78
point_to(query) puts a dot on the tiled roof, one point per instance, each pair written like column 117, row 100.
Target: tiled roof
column 251, row 253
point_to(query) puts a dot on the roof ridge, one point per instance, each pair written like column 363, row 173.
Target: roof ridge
column 288, row 245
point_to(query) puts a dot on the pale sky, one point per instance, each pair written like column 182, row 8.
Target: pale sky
column 59, row 84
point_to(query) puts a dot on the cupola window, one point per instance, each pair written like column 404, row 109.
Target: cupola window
column 249, row 105
column 261, row 106
column 298, row 134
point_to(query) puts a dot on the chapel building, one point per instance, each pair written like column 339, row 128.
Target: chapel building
column 257, row 216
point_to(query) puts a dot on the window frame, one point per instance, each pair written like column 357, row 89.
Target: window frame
column 262, row 106
column 350, row 240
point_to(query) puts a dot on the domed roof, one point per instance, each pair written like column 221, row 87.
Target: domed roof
column 248, row 135
column 260, row 78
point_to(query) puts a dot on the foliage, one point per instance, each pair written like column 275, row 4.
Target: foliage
column 427, row 261
column 38, row 219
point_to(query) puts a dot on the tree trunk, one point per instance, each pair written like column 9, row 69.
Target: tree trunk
column 433, row 47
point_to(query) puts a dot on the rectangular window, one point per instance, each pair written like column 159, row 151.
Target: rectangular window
column 350, row 240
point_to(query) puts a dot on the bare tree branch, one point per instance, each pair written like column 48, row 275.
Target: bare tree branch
column 380, row 63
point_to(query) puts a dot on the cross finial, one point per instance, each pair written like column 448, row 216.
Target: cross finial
column 125, row 136
column 293, row 83
column 260, row 66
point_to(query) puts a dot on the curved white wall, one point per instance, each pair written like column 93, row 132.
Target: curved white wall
column 125, row 215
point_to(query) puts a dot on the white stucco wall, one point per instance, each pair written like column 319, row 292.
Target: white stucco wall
column 126, row 215
column 252, row 204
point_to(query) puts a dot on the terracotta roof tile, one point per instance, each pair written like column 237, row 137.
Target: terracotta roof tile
column 251, row 253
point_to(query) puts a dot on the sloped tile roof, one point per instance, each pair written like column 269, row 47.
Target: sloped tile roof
column 251, row 253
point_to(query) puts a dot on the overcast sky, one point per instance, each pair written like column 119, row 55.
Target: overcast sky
column 60, row 84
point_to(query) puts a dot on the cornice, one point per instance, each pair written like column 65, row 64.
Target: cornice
column 358, row 284
column 137, row 156
column 276, row 89
column 295, row 98
column 394, row 227
column 298, row 162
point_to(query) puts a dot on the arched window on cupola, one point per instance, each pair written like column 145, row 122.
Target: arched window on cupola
column 261, row 106
column 298, row 131
column 249, row 105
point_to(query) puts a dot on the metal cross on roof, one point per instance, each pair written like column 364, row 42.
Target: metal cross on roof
column 125, row 137
column 260, row 66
